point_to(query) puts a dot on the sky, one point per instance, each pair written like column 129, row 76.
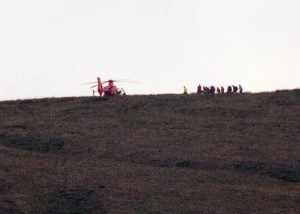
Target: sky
column 49, row 48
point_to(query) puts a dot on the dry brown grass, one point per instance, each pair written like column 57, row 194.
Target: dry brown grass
column 237, row 153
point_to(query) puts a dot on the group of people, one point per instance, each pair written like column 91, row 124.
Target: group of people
column 212, row 89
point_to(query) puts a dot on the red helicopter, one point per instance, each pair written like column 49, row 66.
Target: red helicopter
column 109, row 90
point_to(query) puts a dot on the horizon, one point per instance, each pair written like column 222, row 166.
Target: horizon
column 162, row 94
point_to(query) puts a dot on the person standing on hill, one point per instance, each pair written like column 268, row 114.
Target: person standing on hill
column 235, row 88
column 199, row 89
column 229, row 89
column 212, row 89
column 218, row 90
column 222, row 89
column 240, row 88
column 185, row 90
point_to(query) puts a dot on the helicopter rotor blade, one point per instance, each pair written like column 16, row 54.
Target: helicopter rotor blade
column 88, row 83
column 131, row 81
column 94, row 86
column 103, row 82
column 122, row 80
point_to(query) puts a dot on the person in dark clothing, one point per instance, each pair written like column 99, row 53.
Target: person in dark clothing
column 205, row 90
column 199, row 89
column 229, row 89
column 212, row 89
column 235, row 88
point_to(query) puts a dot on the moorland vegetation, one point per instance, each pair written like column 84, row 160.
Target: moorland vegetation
column 229, row 153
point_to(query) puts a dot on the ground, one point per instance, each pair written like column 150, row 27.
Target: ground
column 229, row 153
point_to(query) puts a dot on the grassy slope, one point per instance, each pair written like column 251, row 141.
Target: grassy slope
column 236, row 153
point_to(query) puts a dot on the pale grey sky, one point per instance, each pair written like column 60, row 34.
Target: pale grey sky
column 48, row 48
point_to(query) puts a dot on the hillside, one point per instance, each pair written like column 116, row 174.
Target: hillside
column 231, row 153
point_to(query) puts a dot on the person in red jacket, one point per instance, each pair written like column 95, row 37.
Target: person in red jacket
column 222, row 89
column 218, row 90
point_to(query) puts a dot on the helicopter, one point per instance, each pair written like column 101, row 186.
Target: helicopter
column 109, row 90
